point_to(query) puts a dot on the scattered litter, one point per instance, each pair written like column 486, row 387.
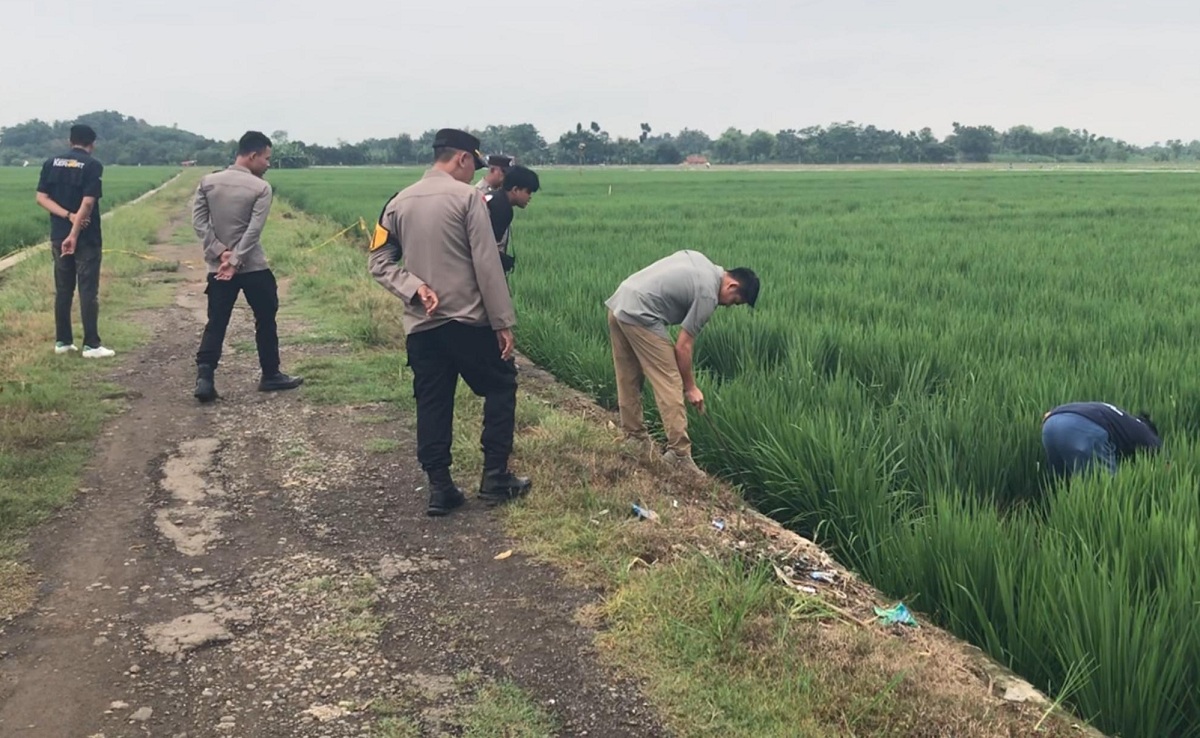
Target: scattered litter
column 602, row 512
column 898, row 613
column 674, row 503
column 823, row 576
column 719, row 524
column 503, row 555
column 645, row 512
column 849, row 617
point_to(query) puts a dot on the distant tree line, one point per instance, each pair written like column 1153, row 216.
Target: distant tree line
column 122, row 140
column 128, row 140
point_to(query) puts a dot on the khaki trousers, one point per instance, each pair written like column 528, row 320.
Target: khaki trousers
column 640, row 354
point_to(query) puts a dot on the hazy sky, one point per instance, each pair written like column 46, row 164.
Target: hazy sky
column 352, row 69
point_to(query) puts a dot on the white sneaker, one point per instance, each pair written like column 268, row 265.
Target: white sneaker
column 63, row 348
column 97, row 353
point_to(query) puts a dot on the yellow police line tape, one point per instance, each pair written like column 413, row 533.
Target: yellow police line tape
column 147, row 257
column 361, row 225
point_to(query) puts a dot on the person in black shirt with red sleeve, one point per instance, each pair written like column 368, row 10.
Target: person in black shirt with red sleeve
column 1078, row 434
column 70, row 190
column 519, row 185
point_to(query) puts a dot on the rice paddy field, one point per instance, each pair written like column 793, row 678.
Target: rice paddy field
column 23, row 223
column 886, row 396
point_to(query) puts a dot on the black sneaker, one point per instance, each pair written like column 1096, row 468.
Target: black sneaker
column 444, row 499
column 279, row 381
column 498, row 487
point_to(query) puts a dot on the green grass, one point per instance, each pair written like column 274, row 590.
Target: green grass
column 886, row 396
column 23, row 223
column 382, row 445
column 397, row 727
column 503, row 710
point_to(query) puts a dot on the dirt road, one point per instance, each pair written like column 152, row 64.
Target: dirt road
column 251, row 569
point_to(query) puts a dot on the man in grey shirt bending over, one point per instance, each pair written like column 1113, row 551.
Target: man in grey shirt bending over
column 229, row 213
column 682, row 289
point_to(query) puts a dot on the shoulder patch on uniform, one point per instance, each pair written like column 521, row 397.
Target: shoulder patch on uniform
column 380, row 237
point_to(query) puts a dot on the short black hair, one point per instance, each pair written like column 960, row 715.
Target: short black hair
column 521, row 178
column 747, row 284
column 253, row 142
column 82, row 135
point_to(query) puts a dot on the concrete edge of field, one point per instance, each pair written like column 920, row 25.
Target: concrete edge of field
column 21, row 255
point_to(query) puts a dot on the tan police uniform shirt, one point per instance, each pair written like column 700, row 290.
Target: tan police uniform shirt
column 229, row 212
column 437, row 232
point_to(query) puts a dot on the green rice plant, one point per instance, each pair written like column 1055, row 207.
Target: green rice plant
column 23, row 223
column 887, row 394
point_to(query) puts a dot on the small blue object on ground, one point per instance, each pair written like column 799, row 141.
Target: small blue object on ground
column 896, row 614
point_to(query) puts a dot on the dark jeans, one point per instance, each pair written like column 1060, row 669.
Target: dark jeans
column 438, row 357
column 83, row 269
column 263, row 295
column 1073, row 444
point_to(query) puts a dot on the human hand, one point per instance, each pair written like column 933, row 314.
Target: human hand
column 695, row 398
column 505, row 338
column 68, row 245
column 226, row 271
column 428, row 298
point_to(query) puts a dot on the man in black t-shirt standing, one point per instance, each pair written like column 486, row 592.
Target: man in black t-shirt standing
column 1078, row 434
column 70, row 190
column 517, row 190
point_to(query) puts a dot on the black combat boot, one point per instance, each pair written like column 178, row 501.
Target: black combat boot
column 279, row 381
column 206, row 388
column 499, row 485
column 444, row 494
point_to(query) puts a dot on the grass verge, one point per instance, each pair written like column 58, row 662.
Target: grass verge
column 722, row 647
column 51, row 407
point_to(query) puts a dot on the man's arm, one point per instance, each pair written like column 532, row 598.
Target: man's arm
column 49, row 205
column 685, row 346
column 694, row 322
column 258, row 221
column 82, row 217
column 43, row 194
column 93, row 173
column 489, row 274
column 202, row 225
column 384, row 265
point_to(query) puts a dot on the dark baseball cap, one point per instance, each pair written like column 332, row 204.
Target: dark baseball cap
column 452, row 138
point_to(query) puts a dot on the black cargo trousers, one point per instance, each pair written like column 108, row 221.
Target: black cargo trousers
column 438, row 357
